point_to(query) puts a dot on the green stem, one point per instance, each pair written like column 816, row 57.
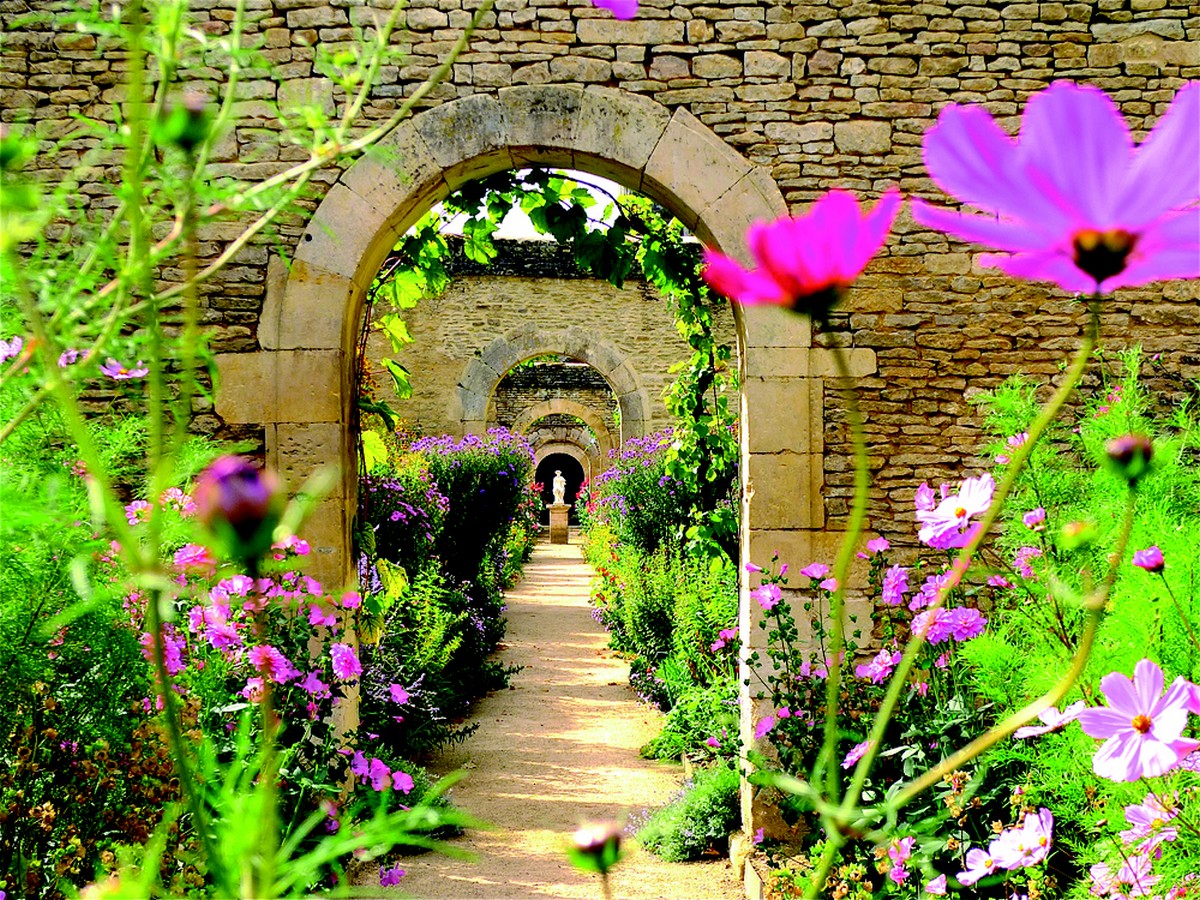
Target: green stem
column 900, row 677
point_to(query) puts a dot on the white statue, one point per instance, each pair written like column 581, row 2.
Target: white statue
column 560, row 486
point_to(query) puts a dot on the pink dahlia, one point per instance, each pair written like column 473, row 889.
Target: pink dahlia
column 1073, row 200
column 1143, row 727
column 345, row 662
column 806, row 263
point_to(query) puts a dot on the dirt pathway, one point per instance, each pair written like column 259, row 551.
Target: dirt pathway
column 558, row 748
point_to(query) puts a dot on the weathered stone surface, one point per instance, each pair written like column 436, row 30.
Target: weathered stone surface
column 266, row 386
column 863, row 137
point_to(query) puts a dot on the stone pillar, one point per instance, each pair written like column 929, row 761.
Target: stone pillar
column 558, row 522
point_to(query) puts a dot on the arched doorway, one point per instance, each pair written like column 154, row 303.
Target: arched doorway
column 572, row 471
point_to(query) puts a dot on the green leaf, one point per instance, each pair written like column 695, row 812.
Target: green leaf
column 374, row 450
column 401, row 379
column 396, row 329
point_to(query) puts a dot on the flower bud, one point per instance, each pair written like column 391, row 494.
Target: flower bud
column 1129, row 455
column 184, row 123
column 597, row 846
column 241, row 505
column 1150, row 559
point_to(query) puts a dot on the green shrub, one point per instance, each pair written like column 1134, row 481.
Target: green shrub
column 698, row 821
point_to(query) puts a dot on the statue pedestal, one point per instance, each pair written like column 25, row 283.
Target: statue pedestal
column 558, row 522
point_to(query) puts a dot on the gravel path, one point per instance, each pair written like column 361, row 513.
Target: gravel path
column 558, row 748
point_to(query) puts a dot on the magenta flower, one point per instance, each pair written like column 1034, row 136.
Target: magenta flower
column 949, row 525
column 398, row 693
column 345, row 662
column 137, row 511
column 118, row 372
column 763, row 727
column 856, row 753
column 1052, row 720
column 1072, row 200
column 767, row 595
column 925, row 499
column 880, row 667
column 895, row 586
column 272, row 664
column 878, row 545
column 1150, row 559
column 240, row 504
column 937, row 887
column 313, row 684
column 621, row 9
column 815, row 570
column 806, row 263
column 9, row 349
column 1143, row 728
column 1035, row 519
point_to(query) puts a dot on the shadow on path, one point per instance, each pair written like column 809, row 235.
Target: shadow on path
column 557, row 748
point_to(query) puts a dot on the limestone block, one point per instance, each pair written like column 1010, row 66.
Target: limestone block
column 766, row 64
column 280, row 386
column 396, row 172
column 300, row 451
column 773, row 326
column 559, row 530
column 308, row 310
column 692, row 167
column 716, row 65
column 799, row 132
column 753, row 198
column 345, row 228
column 467, row 138
column 783, row 414
column 635, row 31
column 585, row 69
column 327, row 530
column 617, row 132
column 786, row 489
column 542, row 120
column 864, row 137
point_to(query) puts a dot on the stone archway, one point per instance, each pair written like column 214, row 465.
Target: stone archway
column 484, row 373
column 560, row 405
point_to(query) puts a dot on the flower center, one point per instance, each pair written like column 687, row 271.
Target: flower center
column 959, row 512
column 1102, row 254
column 1141, row 724
column 1157, row 823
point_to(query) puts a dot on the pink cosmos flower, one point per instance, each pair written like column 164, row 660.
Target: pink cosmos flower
column 118, row 372
column 1150, row 559
column 1072, row 200
column 806, row 263
column 767, row 595
column 1035, row 519
column 979, row 863
column 948, row 525
column 924, row 499
column 621, row 9
column 1149, row 820
column 1143, row 728
column 937, row 887
column 1026, row 845
column 1052, row 720
column 1021, row 562
column 9, row 349
column 1137, row 875
column 345, row 662
column 856, row 753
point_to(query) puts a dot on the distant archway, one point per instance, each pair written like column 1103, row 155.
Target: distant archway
column 560, row 458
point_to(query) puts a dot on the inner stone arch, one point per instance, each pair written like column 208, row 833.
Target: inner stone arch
column 484, row 373
column 534, row 415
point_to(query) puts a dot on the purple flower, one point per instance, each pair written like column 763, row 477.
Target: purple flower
column 1035, row 519
column 713, row 742
column 345, row 662
column 1021, row 562
column 240, row 504
column 856, row 753
column 67, row 358
column 815, row 570
column 948, row 525
column 1143, row 728
column 402, row 781
column 118, row 372
column 399, row 694
column 965, row 623
column 390, row 877
column 379, row 773
column 1150, row 559
column 9, row 349
column 313, row 684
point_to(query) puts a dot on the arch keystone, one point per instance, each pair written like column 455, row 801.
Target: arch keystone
column 542, row 123
column 467, row 138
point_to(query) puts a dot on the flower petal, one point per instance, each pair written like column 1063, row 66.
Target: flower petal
column 1166, row 168
column 1005, row 234
column 1148, row 682
column 1103, row 723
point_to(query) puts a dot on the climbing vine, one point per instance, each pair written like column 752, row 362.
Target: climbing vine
column 610, row 240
